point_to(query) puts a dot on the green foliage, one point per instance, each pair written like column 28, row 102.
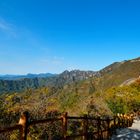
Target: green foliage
column 123, row 99
column 95, row 96
column 68, row 100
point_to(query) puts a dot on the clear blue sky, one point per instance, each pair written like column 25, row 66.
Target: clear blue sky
column 39, row 36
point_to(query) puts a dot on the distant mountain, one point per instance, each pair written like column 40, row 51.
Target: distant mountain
column 17, row 77
column 112, row 75
column 119, row 72
column 77, row 92
column 11, row 83
column 73, row 76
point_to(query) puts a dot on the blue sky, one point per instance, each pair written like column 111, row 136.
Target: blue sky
column 39, row 36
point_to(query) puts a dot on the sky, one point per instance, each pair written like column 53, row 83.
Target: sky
column 41, row 36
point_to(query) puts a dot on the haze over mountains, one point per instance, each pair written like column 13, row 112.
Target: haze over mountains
column 29, row 75
column 112, row 75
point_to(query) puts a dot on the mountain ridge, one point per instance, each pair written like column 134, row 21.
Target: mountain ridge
column 57, row 81
column 77, row 92
column 29, row 75
column 113, row 75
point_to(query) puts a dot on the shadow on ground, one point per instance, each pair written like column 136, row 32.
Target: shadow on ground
column 127, row 134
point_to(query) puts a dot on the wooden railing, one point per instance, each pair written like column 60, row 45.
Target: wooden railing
column 92, row 128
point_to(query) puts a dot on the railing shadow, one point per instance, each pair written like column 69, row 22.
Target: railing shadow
column 127, row 134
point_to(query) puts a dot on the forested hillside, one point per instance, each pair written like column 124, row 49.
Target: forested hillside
column 58, row 81
column 89, row 92
column 115, row 89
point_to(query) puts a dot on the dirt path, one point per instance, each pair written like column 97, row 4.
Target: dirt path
column 131, row 133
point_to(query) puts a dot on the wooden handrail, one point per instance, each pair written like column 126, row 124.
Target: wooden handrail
column 111, row 124
column 44, row 121
column 12, row 128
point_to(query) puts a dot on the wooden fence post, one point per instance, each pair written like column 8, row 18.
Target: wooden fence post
column 65, row 122
column 24, row 122
column 128, row 121
column 108, row 128
column 85, row 127
column 131, row 120
column 123, row 121
column 119, row 122
column 99, row 128
column 114, row 125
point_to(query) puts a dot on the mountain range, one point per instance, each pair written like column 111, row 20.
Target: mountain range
column 29, row 75
column 77, row 92
column 112, row 75
column 19, row 83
